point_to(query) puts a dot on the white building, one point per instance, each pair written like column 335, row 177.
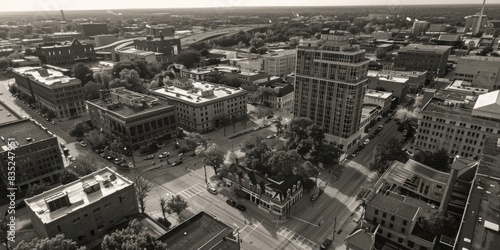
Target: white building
column 202, row 106
column 131, row 54
column 379, row 98
column 280, row 62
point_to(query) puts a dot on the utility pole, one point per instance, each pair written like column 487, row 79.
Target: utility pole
column 205, row 168
column 334, row 226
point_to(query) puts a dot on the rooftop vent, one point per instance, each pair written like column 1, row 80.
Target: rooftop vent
column 91, row 187
column 57, row 201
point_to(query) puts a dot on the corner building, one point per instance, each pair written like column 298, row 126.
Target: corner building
column 331, row 74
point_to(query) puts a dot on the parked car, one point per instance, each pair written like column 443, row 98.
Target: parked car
column 178, row 162
column 231, row 202
column 314, row 198
column 53, row 122
column 241, row 207
column 354, row 154
column 149, row 157
column 83, row 144
column 366, row 141
column 99, row 151
column 271, row 136
column 212, row 190
column 164, row 155
column 326, row 244
column 371, row 136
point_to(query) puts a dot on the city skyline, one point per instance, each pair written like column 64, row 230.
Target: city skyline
column 55, row 5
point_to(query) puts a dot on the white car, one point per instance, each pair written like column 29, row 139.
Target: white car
column 164, row 155
column 271, row 136
column 83, row 144
column 366, row 141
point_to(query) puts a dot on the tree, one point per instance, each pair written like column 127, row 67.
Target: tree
column 36, row 189
column 257, row 42
column 85, row 164
column 95, row 139
column 132, row 237
column 118, row 67
column 280, row 164
column 440, row 224
column 176, row 205
column 255, row 151
column 231, row 158
column 91, row 90
column 68, row 176
column 79, row 129
column 279, row 125
column 194, row 140
column 4, row 63
column 15, row 34
column 438, row 160
column 58, row 242
column 142, row 188
column 327, row 154
column 51, row 114
column 231, row 80
column 13, row 89
column 3, row 34
column 380, row 53
column 189, row 58
column 82, row 72
column 263, row 93
column 164, row 222
column 212, row 156
column 237, row 192
column 385, row 152
column 302, row 134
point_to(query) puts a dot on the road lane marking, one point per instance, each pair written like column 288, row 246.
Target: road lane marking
column 253, row 229
column 299, row 219
column 300, row 240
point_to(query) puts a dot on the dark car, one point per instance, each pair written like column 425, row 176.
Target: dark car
column 241, row 207
column 231, row 202
column 175, row 163
column 149, row 157
column 314, row 198
column 326, row 244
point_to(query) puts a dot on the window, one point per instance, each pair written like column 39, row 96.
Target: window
column 411, row 244
column 391, row 226
column 98, row 218
column 76, row 220
column 107, row 205
column 59, row 228
column 423, row 248
column 97, row 210
column 100, row 228
column 376, row 212
column 405, row 222
column 400, row 240
column 389, row 235
column 384, row 215
column 392, row 218
column 92, row 232
column 403, row 230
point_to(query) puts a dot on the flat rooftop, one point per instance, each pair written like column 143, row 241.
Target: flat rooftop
column 45, row 76
column 394, row 206
column 378, row 94
column 137, row 52
column 387, row 76
column 6, row 115
column 21, row 130
column 188, row 95
column 127, row 110
column 201, row 231
column 479, row 58
column 425, row 48
column 76, row 194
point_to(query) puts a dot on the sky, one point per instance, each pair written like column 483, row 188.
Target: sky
column 53, row 5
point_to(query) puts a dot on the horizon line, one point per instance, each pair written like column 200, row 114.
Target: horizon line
column 243, row 6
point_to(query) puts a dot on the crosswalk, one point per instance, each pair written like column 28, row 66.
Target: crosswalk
column 298, row 239
column 189, row 192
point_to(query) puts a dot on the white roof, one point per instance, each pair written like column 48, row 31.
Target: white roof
column 491, row 225
column 489, row 101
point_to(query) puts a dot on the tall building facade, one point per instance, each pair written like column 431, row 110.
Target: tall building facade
column 480, row 71
column 471, row 23
column 37, row 155
column 420, row 27
column 85, row 209
column 169, row 46
column 92, row 29
column 458, row 122
column 331, row 74
column 50, row 88
column 423, row 58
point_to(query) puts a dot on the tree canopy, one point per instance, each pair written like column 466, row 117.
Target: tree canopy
column 189, row 58
column 79, row 129
column 58, row 243
column 83, row 73
column 438, row 160
column 132, row 237
column 386, row 152
column 176, row 204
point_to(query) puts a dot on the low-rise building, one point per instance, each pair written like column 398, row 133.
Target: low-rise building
column 131, row 54
column 160, row 30
column 380, row 98
column 63, row 36
column 274, row 196
column 36, row 152
column 137, row 118
column 216, row 234
column 385, row 81
column 85, row 209
column 102, row 40
column 28, row 61
column 459, row 122
column 282, row 98
column 279, row 63
column 170, row 46
column 50, row 88
column 66, row 54
column 224, row 54
column 92, row 29
column 202, row 106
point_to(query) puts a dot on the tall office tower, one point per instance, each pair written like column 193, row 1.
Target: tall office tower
column 329, row 86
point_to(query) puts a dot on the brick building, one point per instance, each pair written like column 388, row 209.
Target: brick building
column 423, row 58
column 66, row 54
column 170, row 46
